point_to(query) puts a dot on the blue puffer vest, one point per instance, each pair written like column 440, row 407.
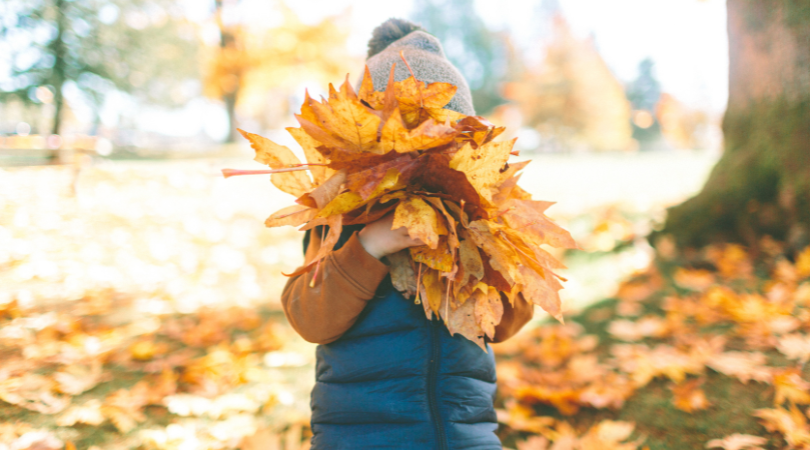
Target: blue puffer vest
column 396, row 380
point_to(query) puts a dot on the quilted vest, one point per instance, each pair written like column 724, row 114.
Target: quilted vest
column 397, row 380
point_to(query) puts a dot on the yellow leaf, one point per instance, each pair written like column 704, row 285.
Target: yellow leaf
column 791, row 387
column 434, row 289
column 419, row 218
column 89, row 413
column 482, row 165
column 689, row 397
column 342, row 204
column 280, row 157
column 291, row 215
column 792, row 424
column 428, row 134
column 440, row 258
column 738, row 441
column 310, row 147
column 527, row 217
column 501, row 256
column 470, row 260
column 488, row 310
column 350, row 121
column 368, row 94
column 803, row 263
column 542, row 291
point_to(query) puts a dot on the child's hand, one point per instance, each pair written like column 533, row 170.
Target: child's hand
column 379, row 240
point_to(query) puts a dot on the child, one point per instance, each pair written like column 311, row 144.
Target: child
column 386, row 377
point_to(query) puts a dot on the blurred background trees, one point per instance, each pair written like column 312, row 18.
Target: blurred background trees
column 68, row 67
column 257, row 68
column 88, row 49
column 572, row 97
column 479, row 53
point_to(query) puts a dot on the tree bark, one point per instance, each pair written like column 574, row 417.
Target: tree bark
column 58, row 75
column 761, row 185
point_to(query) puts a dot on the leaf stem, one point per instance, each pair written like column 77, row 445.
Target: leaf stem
column 227, row 173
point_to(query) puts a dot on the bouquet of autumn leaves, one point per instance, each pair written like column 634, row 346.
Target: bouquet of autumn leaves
column 443, row 177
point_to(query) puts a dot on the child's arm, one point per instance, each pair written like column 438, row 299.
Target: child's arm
column 346, row 281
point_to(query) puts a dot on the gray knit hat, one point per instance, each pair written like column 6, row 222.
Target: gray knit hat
column 424, row 54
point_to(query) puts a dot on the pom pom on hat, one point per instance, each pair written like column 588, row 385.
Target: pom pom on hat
column 424, row 54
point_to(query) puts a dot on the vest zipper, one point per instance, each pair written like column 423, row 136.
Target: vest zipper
column 433, row 374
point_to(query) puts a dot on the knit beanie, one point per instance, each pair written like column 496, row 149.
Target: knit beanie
column 424, row 54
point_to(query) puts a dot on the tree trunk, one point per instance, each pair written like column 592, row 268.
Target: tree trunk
column 59, row 67
column 761, row 185
column 227, row 42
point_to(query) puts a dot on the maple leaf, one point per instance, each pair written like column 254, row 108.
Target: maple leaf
column 291, row 215
column 279, row 157
column 482, row 165
column 795, row 346
column 488, row 308
column 419, row 218
column 791, row 423
column 74, row 380
column 689, row 397
column 694, row 279
column 628, row 330
column 448, row 184
column 403, row 276
column 32, row 392
column 791, row 387
column 745, row 366
column 738, row 441
column 89, row 413
column 315, row 158
column 395, row 136
column 607, row 435
column 124, row 407
column 803, row 263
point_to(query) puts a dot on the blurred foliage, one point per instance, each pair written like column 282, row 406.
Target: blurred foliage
column 644, row 93
column 142, row 47
column 572, row 97
column 254, row 68
column 478, row 53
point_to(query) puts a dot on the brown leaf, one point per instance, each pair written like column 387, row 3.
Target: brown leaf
column 326, row 192
column 462, row 321
column 403, row 276
column 488, row 309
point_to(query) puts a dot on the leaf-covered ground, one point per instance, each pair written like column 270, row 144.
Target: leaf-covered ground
column 699, row 350
column 138, row 309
